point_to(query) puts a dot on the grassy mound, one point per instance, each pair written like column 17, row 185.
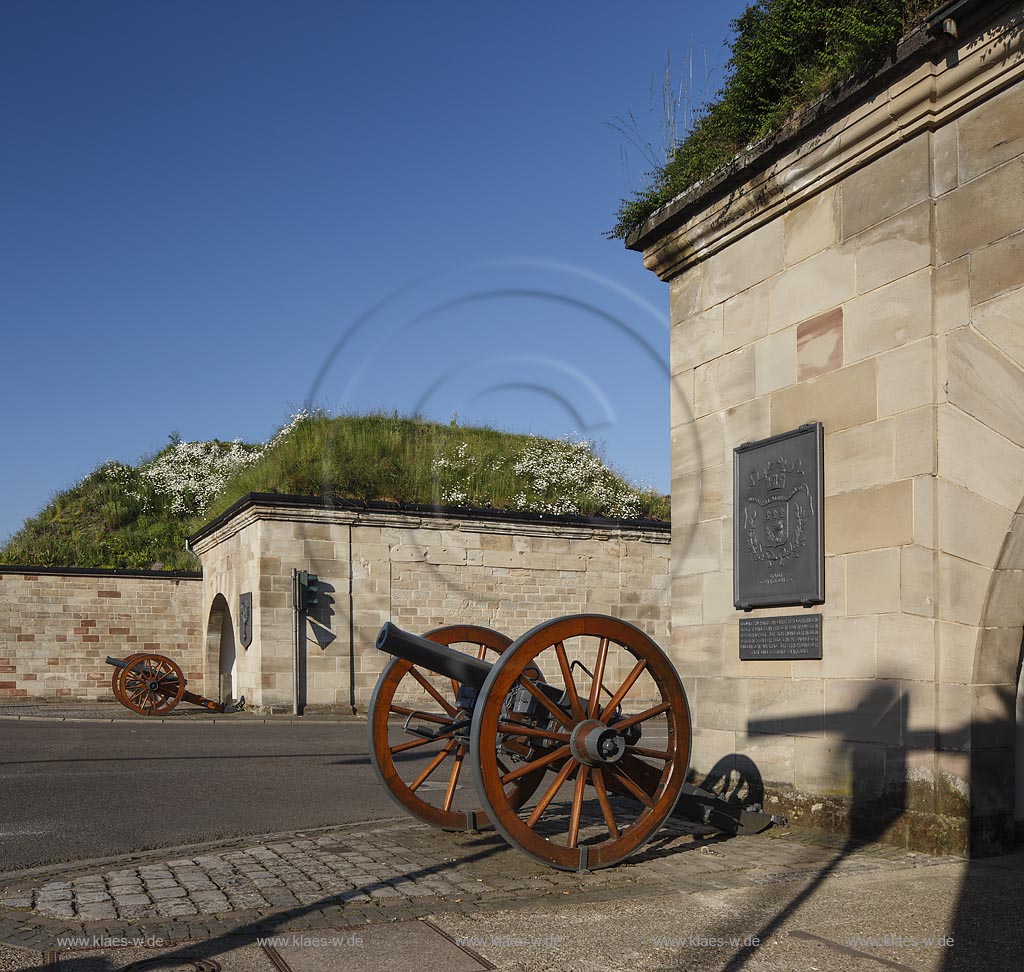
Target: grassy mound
column 140, row 516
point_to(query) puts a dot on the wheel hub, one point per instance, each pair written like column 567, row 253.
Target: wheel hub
column 595, row 744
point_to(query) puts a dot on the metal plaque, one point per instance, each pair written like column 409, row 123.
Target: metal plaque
column 245, row 619
column 794, row 637
column 778, row 526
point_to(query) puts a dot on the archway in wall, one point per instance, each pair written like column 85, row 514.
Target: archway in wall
column 221, row 650
column 1018, row 807
column 997, row 722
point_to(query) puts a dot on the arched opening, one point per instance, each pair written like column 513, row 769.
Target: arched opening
column 221, row 652
column 1018, row 805
column 997, row 718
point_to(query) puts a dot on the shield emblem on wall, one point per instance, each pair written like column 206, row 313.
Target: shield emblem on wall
column 245, row 619
column 776, row 525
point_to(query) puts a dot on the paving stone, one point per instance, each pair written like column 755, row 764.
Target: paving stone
column 210, row 900
column 93, row 911
column 15, row 901
column 166, row 894
column 170, row 909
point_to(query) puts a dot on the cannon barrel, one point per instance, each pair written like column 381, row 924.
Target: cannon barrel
column 432, row 656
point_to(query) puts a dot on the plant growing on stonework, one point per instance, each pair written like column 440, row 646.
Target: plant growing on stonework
column 783, row 54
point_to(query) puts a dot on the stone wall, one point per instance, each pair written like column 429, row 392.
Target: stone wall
column 419, row 568
column 58, row 625
column 867, row 273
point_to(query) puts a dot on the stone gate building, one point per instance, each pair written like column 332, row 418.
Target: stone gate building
column 865, row 269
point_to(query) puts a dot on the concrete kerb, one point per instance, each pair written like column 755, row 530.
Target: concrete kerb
column 200, row 719
column 263, row 721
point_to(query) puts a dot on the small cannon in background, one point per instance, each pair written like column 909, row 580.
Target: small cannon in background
column 153, row 685
column 532, row 712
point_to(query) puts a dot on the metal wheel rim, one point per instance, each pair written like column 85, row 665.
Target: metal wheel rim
column 148, row 702
column 115, row 678
column 664, row 793
column 381, row 750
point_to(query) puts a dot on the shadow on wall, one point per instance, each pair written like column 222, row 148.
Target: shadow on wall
column 884, row 793
column 317, row 620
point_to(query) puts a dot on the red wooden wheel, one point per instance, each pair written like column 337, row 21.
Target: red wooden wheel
column 422, row 774
column 615, row 721
column 150, row 684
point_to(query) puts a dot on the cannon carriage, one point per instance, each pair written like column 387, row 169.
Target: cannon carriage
column 152, row 685
column 576, row 737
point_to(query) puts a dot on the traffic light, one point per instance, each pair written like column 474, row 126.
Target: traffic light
column 308, row 590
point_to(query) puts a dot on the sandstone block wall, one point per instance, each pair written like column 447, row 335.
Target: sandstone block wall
column 57, row 627
column 420, row 570
column 871, row 279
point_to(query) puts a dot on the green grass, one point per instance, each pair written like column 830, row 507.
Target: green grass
column 785, row 54
column 119, row 517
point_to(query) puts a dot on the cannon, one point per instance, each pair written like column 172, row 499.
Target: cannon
column 153, row 685
column 576, row 763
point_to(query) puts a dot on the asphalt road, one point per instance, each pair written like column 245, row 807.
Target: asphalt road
column 71, row 791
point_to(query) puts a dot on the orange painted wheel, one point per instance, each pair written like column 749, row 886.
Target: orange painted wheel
column 613, row 725
column 423, row 774
column 150, row 684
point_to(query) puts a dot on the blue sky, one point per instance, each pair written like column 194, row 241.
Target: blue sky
column 202, row 204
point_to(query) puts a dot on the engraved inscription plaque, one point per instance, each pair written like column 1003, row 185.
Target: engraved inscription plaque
column 778, row 522
column 245, row 618
column 794, row 637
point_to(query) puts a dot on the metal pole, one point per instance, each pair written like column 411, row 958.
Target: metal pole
column 296, row 622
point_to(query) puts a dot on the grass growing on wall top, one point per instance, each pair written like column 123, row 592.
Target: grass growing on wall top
column 784, row 55
column 140, row 516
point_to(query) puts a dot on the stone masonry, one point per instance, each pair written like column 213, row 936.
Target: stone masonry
column 421, row 569
column 866, row 270
column 58, row 625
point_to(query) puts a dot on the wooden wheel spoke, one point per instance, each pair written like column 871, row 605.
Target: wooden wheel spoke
column 595, row 688
column 449, row 794
column 630, row 784
column 650, row 713
column 623, row 689
column 547, row 759
column 433, row 765
column 570, row 682
column 425, row 716
column 606, row 806
column 433, row 692
column 545, row 701
column 549, row 793
column 514, row 729
column 482, row 652
column 652, row 753
column 412, row 744
column 577, row 805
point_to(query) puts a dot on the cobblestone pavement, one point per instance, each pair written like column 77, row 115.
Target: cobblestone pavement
column 382, row 871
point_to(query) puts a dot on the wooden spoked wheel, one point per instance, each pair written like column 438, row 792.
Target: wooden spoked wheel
column 115, row 679
column 422, row 775
column 151, row 685
column 613, row 727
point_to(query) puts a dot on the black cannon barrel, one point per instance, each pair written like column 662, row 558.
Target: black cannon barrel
column 433, row 657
